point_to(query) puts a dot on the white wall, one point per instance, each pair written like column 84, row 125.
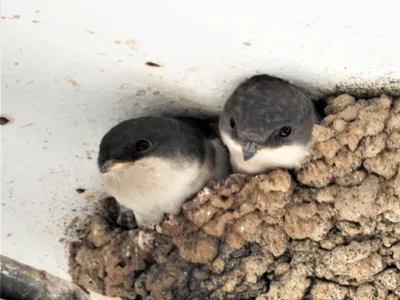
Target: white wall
column 71, row 69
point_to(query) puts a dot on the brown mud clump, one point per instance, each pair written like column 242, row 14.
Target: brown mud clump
column 330, row 230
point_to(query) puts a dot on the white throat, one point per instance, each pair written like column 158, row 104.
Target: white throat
column 153, row 186
column 283, row 157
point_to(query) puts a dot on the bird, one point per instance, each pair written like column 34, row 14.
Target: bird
column 152, row 164
column 266, row 123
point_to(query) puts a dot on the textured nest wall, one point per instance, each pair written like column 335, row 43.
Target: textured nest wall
column 330, row 230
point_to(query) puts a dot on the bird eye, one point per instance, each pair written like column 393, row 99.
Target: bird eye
column 232, row 123
column 285, row 131
column 142, row 145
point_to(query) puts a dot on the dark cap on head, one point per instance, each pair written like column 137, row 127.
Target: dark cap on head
column 136, row 138
column 268, row 111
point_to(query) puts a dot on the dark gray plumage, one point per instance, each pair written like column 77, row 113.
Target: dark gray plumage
column 153, row 164
column 267, row 123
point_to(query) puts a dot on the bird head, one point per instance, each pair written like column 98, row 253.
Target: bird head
column 133, row 140
column 264, row 113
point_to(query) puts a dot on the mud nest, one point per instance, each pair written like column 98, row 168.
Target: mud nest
column 330, row 230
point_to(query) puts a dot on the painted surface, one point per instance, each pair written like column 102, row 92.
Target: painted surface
column 71, row 69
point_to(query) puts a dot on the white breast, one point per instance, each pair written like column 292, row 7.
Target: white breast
column 153, row 186
column 283, row 157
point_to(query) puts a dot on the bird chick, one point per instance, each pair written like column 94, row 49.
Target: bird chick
column 151, row 165
column 267, row 123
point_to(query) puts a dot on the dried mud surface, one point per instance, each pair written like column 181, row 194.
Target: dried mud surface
column 330, row 230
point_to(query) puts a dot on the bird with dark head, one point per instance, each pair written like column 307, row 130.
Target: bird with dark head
column 267, row 123
column 151, row 165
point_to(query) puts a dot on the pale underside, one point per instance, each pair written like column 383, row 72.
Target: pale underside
column 153, row 186
column 289, row 157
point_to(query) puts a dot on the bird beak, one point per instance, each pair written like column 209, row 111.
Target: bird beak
column 249, row 149
column 112, row 165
